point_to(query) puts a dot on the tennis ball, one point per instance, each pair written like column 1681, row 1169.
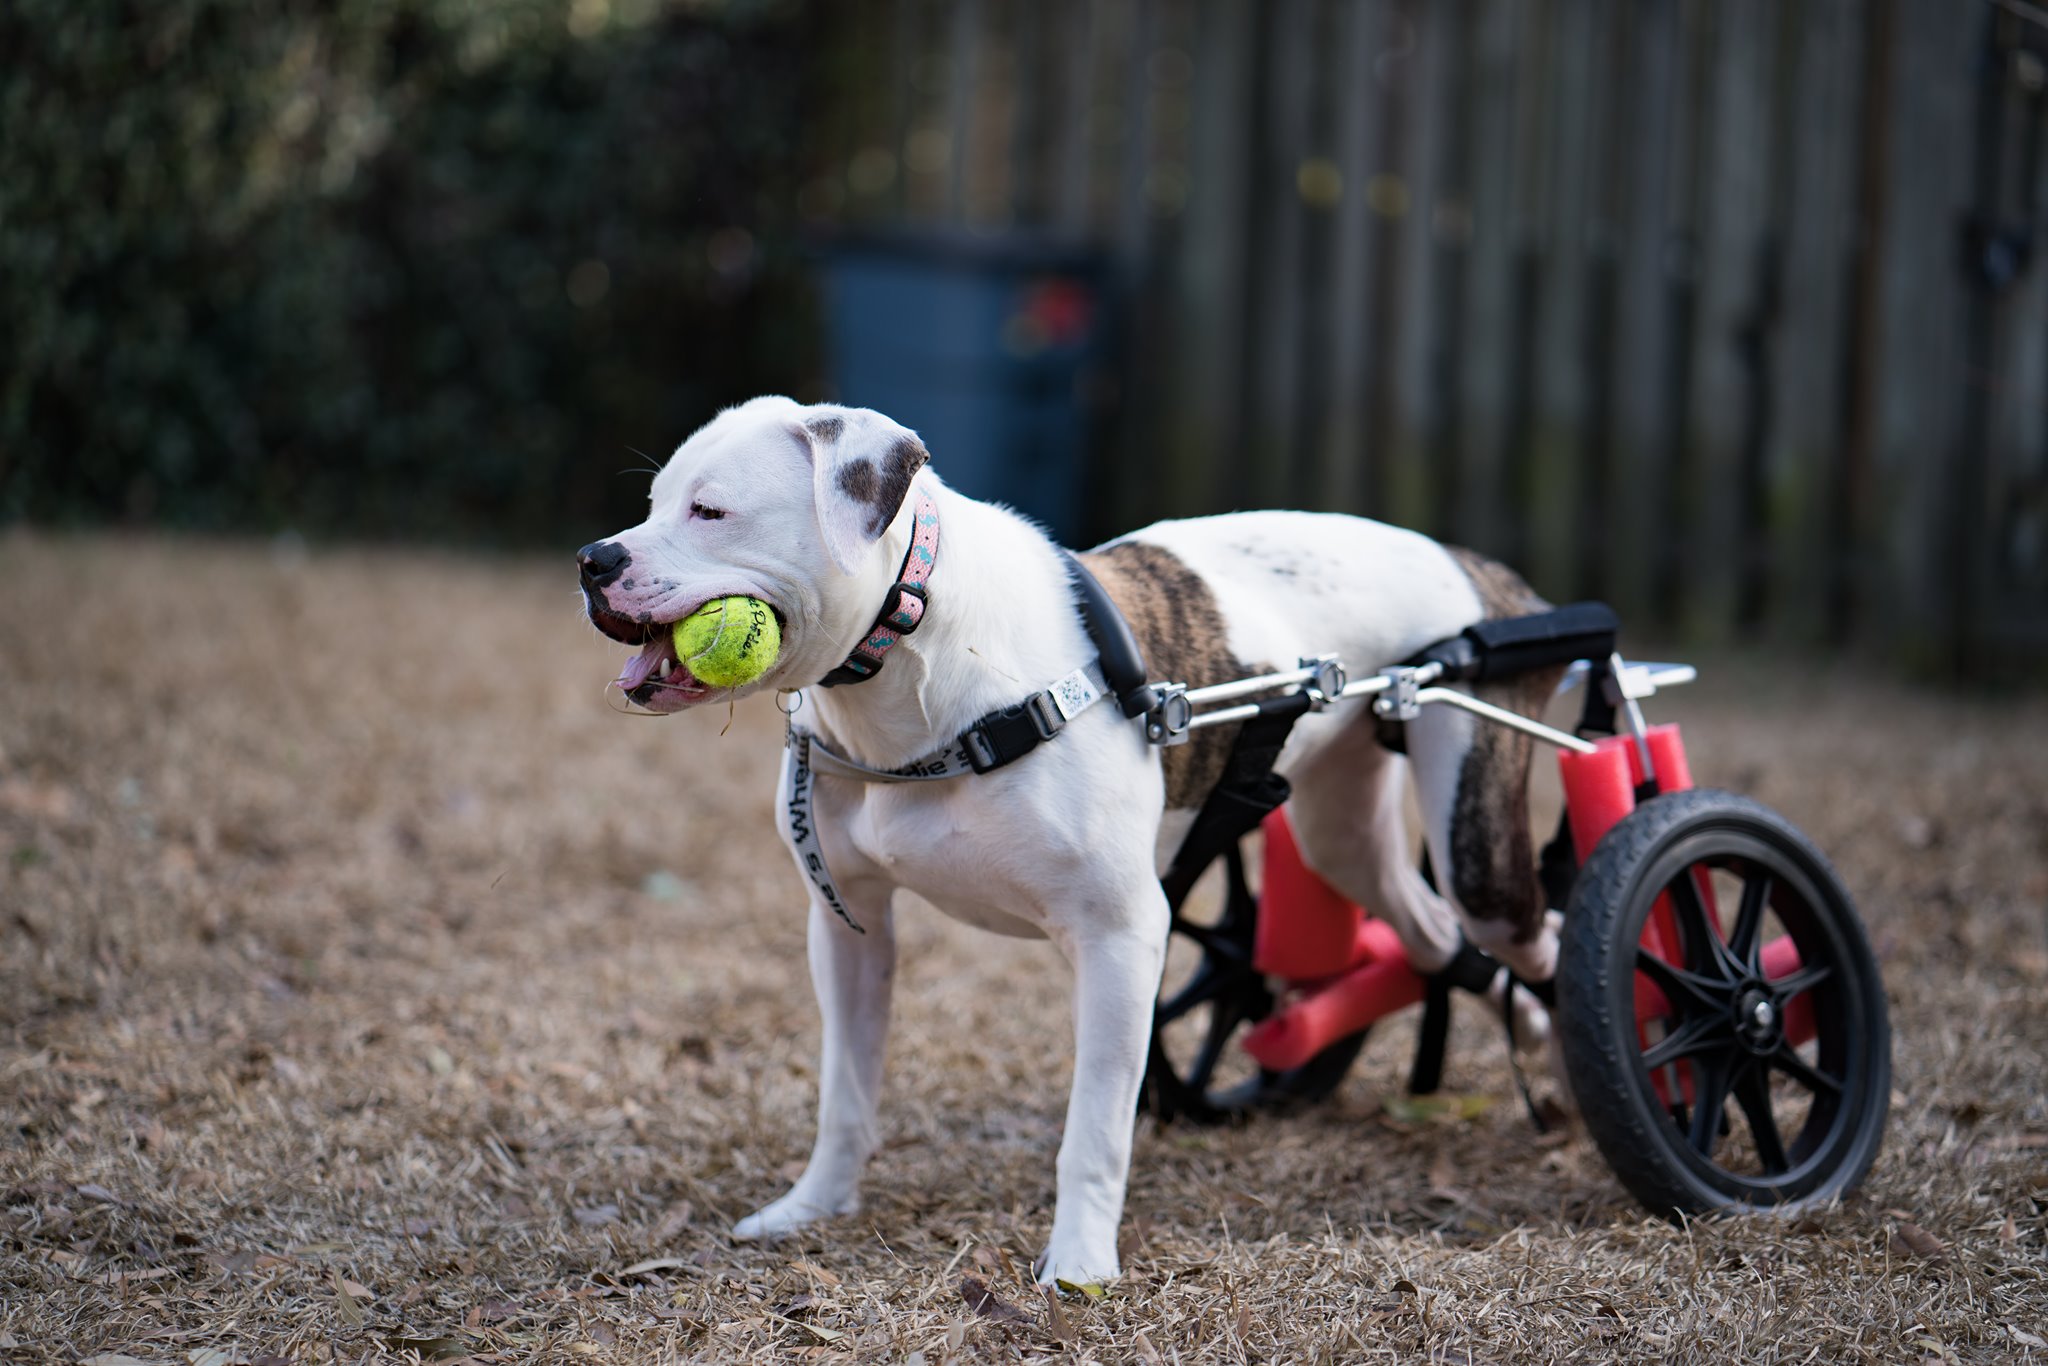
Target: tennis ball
column 729, row 641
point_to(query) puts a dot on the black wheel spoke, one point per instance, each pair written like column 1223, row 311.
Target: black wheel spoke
column 1710, row 1102
column 1806, row 979
column 1206, row 985
column 1687, row 992
column 1744, row 941
column 1694, row 921
column 1788, row 1061
column 1217, row 940
column 1694, row 1036
column 1753, row 1094
column 1222, row 1021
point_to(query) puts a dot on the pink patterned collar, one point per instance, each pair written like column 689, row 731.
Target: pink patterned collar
column 904, row 608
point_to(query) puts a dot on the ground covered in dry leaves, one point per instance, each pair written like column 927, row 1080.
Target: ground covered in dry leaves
column 369, row 990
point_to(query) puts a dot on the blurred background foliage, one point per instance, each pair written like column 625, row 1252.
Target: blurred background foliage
column 387, row 267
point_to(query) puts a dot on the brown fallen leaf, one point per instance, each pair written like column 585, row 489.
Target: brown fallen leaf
column 2009, row 1233
column 1145, row 1351
column 1917, row 1241
column 983, row 1301
column 652, row 1265
column 351, row 1312
column 1056, row 1317
column 814, row 1271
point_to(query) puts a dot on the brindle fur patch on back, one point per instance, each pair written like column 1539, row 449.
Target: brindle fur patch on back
column 1493, row 860
column 1175, row 618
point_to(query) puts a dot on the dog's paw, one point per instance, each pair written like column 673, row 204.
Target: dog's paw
column 791, row 1212
column 1077, row 1267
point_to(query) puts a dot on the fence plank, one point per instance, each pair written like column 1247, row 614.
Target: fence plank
column 1353, row 303
column 1809, row 358
column 1274, row 429
column 1725, row 358
column 1480, row 516
column 1608, row 153
column 1204, row 422
column 1644, row 369
column 2017, row 515
column 1918, row 381
column 1417, row 417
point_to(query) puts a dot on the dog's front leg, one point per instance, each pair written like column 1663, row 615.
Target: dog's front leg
column 852, row 975
column 1116, row 980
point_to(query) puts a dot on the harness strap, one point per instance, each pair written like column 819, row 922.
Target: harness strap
column 1000, row 738
column 1123, row 663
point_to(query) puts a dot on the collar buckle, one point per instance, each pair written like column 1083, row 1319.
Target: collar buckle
column 907, row 612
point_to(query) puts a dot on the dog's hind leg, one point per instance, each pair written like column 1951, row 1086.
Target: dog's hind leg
column 1116, row 980
column 1472, row 778
column 852, row 975
column 1350, row 825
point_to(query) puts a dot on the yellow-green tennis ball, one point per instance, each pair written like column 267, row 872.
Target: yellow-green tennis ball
column 729, row 641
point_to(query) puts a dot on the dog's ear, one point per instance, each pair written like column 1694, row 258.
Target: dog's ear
column 861, row 468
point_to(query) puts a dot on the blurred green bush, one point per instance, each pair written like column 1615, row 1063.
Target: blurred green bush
column 387, row 267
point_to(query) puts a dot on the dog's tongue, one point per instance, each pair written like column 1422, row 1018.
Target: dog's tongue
column 642, row 666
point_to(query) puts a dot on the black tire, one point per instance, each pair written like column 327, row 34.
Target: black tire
column 1725, row 1033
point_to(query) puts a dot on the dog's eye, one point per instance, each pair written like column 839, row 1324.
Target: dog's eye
column 708, row 514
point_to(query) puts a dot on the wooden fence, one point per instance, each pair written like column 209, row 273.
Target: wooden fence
column 1729, row 311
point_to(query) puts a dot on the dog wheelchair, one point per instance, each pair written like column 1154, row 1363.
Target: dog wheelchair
column 1721, row 1018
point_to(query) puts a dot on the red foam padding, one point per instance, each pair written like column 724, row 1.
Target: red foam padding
column 1292, row 1035
column 1305, row 930
column 1599, row 789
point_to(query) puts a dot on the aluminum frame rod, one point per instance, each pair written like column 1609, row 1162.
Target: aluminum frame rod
column 1245, row 687
column 1502, row 716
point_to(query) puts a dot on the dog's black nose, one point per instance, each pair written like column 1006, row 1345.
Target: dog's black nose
column 602, row 561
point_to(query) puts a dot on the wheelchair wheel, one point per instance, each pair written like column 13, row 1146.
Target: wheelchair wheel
column 1722, row 1020
column 1211, row 993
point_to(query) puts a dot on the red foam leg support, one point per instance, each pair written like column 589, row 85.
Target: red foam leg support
column 1382, row 985
column 1667, row 751
column 1305, row 929
column 1599, row 789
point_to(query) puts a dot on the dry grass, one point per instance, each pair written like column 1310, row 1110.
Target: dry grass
column 364, row 981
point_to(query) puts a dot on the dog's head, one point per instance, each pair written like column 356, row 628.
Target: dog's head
column 773, row 500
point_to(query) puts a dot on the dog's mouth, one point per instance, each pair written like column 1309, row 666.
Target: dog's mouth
column 657, row 679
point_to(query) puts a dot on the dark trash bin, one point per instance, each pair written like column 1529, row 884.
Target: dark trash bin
column 989, row 346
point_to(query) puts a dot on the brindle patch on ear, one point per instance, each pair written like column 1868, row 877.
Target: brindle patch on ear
column 882, row 490
column 1179, row 627
column 1493, row 861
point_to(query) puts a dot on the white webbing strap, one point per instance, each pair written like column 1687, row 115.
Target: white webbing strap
column 805, row 756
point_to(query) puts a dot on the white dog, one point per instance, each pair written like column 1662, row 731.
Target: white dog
column 814, row 510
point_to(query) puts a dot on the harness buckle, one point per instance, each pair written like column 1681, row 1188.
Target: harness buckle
column 1008, row 735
